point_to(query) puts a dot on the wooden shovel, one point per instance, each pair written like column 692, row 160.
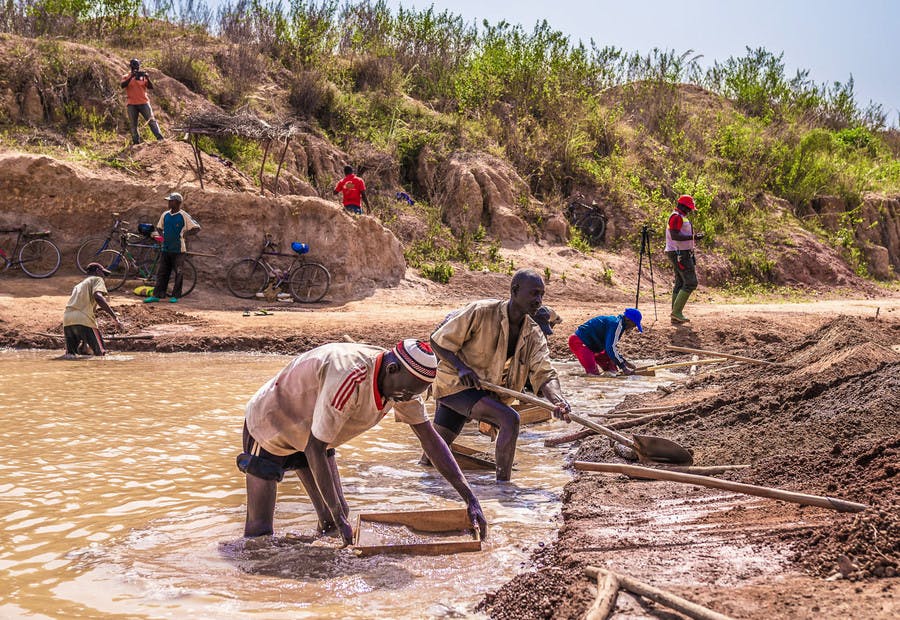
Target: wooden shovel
column 647, row 447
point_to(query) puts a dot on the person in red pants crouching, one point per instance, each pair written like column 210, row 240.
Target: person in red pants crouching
column 594, row 342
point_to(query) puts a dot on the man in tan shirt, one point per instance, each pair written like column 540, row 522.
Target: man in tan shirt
column 496, row 341
column 80, row 316
column 322, row 399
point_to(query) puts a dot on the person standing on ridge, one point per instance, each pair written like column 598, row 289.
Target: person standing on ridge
column 594, row 342
column 353, row 190
column 174, row 225
column 680, row 241
column 136, row 84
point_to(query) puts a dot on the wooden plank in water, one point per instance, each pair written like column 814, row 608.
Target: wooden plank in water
column 416, row 532
column 531, row 414
column 470, row 458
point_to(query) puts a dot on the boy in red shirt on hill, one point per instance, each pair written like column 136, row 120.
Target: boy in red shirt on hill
column 354, row 190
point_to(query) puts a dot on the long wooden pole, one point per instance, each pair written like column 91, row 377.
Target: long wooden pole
column 540, row 402
column 749, row 360
column 682, row 605
column 715, row 483
column 707, row 470
column 712, row 360
column 110, row 337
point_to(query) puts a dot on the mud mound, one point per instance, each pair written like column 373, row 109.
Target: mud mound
column 828, row 427
column 549, row 592
column 839, row 335
column 852, row 360
column 868, row 545
column 170, row 159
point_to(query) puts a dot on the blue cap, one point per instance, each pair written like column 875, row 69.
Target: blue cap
column 634, row 315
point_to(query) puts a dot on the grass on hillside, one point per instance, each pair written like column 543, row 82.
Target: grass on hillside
column 633, row 130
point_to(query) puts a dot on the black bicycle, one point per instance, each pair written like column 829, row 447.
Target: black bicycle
column 119, row 238
column 139, row 259
column 589, row 219
column 307, row 281
column 38, row 256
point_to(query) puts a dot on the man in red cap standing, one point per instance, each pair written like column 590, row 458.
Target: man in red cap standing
column 322, row 399
column 680, row 241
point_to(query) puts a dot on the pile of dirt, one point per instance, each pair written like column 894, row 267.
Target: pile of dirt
column 824, row 423
column 550, row 591
column 868, row 545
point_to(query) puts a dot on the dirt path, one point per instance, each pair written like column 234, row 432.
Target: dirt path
column 827, row 423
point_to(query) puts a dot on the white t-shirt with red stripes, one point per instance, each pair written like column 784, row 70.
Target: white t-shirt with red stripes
column 330, row 392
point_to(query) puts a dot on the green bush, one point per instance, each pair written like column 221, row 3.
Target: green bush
column 438, row 272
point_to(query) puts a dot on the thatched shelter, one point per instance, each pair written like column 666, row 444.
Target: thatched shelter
column 244, row 126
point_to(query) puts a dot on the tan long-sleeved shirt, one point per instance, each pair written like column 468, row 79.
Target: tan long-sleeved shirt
column 478, row 335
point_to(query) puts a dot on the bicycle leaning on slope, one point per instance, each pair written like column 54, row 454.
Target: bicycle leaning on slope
column 307, row 281
column 38, row 256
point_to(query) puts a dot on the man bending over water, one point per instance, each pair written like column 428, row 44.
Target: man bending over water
column 322, row 399
column 496, row 341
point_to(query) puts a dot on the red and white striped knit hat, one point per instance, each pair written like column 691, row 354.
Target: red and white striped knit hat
column 418, row 358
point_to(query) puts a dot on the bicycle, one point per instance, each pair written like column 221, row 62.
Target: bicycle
column 90, row 249
column 589, row 219
column 308, row 281
column 38, row 256
column 139, row 257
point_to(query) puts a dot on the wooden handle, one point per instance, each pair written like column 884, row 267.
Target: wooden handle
column 717, row 354
column 715, row 483
column 540, row 402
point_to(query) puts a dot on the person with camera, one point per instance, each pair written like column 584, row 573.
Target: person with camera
column 136, row 84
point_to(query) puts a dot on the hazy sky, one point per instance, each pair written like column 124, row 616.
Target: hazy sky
column 831, row 38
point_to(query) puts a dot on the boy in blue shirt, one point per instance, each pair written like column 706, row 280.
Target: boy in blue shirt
column 594, row 342
column 174, row 225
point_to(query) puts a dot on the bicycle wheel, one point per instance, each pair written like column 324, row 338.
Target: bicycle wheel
column 142, row 261
column 89, row 251
column 310, row 282
column 593, row 225
column 118, row 267
column 188, row 278
column 246, row 278
column 39, row 258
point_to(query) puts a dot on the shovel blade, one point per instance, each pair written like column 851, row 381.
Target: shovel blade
column 660, row 450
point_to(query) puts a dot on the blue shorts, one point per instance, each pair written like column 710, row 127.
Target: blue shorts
column 354, row 209
column 454, row 411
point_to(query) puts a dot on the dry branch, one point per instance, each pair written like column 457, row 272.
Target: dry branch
column 681, row 605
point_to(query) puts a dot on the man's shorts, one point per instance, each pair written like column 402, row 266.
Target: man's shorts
column 454, row 411
column 297, row 460
column 354, row 209
column 76, row 335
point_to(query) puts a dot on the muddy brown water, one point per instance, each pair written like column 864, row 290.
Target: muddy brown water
column 119, row 497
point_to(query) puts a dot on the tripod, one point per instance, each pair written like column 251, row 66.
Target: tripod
column 645, row 250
